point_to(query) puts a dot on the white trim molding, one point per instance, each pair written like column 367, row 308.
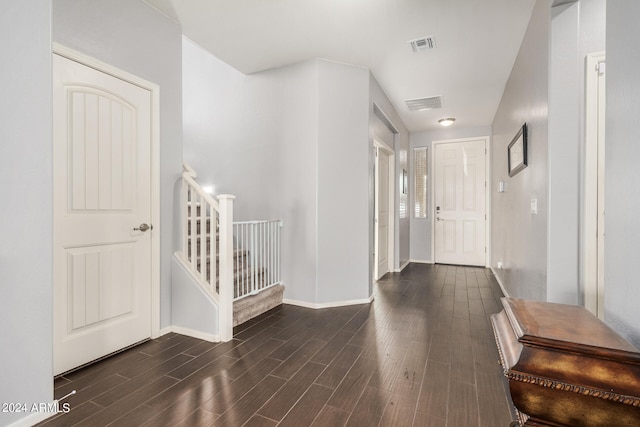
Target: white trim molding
column 190, row 333
column 328, row 304
column 402, row 267
column 504, row 291
column 32, row 419
column 422, row 261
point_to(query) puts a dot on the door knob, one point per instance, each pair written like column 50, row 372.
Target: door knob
column 143, row 227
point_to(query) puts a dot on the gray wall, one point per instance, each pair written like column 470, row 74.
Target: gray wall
column 26, row 209
column 622, row 269
column 342, row 188
column 298, row 168
column 228, row 115
column 110, row 31
column 421, row 227
column 519, row 238
column 541, row 253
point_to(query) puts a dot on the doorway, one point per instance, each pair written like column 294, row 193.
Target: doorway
column 594, row 208
column 460, row 202
column 106, row 287
column 384, row 218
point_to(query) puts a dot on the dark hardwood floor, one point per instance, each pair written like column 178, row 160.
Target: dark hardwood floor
column 422, row 354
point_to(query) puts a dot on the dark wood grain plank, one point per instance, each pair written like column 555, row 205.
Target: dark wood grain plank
column 401, row 408
column 331, row 417
column 348, row 392
column 332, row 348
column 463, row 406
column 132, row 386
column 289, row 394
column 234, row 391
column 370, row 407
column 298, row 358
column 338, row 368
column 307, row 408
column 423, row 419
column 434, row 395
column 244, row 409
column 130, row 402
column 258, row 421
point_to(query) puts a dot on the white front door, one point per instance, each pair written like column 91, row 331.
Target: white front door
column 382, row 212
column 102, row 191
column 460, row 202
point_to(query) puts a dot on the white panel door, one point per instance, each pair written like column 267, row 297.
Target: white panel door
column 382, row 212
column 460, row 199
column 102, row 191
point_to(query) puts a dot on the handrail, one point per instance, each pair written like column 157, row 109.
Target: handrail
column 189, row 170
column 187, row 177
column 207, row 250
column 225, row 273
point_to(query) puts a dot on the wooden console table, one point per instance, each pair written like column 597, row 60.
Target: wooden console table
column 565, row 367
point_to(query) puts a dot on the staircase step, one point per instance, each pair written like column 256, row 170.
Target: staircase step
column 254, row 305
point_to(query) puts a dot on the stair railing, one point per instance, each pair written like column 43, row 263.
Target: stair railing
column 209, row 255
column 257, row 263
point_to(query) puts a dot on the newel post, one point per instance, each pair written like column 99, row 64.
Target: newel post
column 226, row 267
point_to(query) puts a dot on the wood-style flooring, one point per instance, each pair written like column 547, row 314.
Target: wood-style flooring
column 422, row 354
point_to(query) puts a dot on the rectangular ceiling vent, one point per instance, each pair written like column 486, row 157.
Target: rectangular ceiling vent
column 424, row 103
column 423, row 44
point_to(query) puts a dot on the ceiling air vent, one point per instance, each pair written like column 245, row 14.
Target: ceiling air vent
column 424, row 103
column 423, row 44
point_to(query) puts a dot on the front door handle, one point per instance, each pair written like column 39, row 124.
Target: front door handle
column 143, row 227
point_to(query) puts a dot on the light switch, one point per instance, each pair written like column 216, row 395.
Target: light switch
column 534, row 206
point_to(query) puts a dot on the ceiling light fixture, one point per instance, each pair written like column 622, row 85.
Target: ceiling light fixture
column 447, row 122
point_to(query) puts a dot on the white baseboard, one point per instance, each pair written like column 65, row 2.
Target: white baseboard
column 421, row 261
column 504, row 291
column 327, row 304
column 32, row 419
column 191, row 333
column 399, row 270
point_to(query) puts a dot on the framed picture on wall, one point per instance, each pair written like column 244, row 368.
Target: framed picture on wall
column 517, row 151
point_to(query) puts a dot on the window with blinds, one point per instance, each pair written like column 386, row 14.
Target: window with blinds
column 420, row 182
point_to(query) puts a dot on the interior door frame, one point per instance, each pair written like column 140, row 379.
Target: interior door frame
column 380, row 145
column 487, row 194
column 592, row 281
column 154, row 89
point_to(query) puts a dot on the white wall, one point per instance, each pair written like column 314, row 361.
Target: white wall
column 421, row 238
column 26, row 209
column 519, row 238
column 136, row 38
column 622, row 193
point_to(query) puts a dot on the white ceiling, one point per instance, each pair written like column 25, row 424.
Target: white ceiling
column 476, row 44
